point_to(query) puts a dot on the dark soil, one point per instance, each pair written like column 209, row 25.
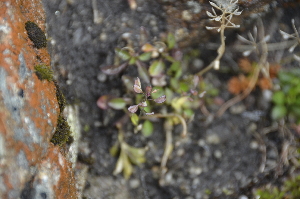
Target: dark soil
column 224, row 158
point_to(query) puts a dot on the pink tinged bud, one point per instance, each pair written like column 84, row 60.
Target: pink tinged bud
column 133, row 108
column 161, row 99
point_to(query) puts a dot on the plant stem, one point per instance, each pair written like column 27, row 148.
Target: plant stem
column 168, row 126
column 159, row 115
column 220, row 51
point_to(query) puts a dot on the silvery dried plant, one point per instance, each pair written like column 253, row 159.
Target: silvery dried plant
column 228, row 10
column 295, row 36
column 253, row 42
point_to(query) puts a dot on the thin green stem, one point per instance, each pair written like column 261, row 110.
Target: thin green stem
column 181, row 119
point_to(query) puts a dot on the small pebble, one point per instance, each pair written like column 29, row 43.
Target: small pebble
column 195, row 170
column 102, row 77
column 218, row 154
column 254, row 145
column 213, row 139
column 243, row 197
column 103, row 36
column 198, row 63
column 252, row 127
column 134, row 183
column 201, row 142
column 237, row 109
column 186, row 15
column 180, row 152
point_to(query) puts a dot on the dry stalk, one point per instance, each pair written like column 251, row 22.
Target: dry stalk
column 261, row 66
column 228, row 10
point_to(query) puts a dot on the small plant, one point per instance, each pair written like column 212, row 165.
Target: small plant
column 179, row 93
column 287, row 99
column 228, row 9
column 290, row 190
column 128, row 155
column 164, row 66
column 147, row 94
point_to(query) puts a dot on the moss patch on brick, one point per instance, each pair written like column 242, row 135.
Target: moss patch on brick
column 43, row 72
column 61, row 100
column 62, row 133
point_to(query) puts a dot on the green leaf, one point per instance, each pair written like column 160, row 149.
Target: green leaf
column 278, row 98
column 184, row 86
column 145, row 56
column 169, row 95
column 143, row 73
column 136, row 155
column 114, row 149
column 175, row 69
column 159, row 92
column 171, row 41
column 117, row 103
column 178, row 102
column 157, row 68
column 128, row 82
column 127, row 166
column 120, row 164
column 134, row 119
column 175, row 84
column 278, row 112
column 132, row 60
column 123, row 54
column 147, row 128
column 188, row 113
column 169, row 58
column 147, row 109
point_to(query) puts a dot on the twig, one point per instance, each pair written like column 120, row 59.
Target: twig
column 241, row 96
column 96, row 16
column 263, row 150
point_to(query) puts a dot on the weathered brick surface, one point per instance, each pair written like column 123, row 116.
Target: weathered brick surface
column 29, row 163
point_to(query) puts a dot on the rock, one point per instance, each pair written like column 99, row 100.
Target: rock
column 30, row 165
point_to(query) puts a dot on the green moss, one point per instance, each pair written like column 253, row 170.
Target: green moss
column 62, row 133
column 60, row 97
column 36, row 35
column 43, row 72
column 290, row 190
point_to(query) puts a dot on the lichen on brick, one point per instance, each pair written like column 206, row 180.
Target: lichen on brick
column 36, row 35
column 43, row 72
